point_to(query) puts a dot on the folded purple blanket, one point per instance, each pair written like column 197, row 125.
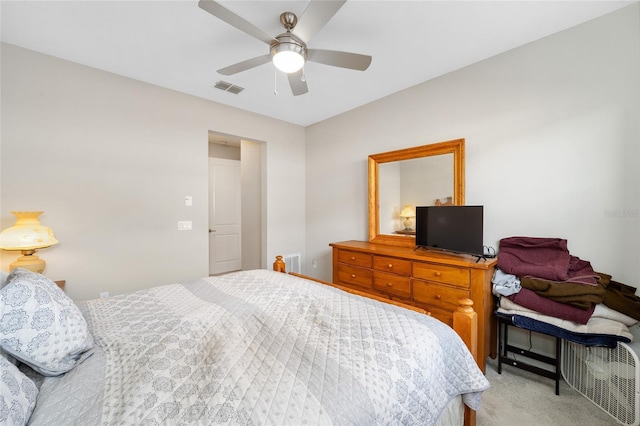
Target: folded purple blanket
column 546, row 258
column 530, row 300
column 581, row 272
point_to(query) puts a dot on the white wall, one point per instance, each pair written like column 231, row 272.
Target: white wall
column 437, row 170
column 110, row 160
column 252, row 175
column 217, row 150
column 389, row 197
column 552, row 146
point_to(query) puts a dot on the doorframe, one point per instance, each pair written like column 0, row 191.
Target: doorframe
column 254, row 245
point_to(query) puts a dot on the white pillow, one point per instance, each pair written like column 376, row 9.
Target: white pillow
column 17, row 395
column 40, row 325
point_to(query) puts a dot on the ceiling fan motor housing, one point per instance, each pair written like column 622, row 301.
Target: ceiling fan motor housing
column 288, row 44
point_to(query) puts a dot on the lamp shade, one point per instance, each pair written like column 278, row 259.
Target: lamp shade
column 408, row 211
column 27, row 233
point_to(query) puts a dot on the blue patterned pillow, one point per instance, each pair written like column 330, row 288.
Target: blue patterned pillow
column 17, row 395
column 40, row 325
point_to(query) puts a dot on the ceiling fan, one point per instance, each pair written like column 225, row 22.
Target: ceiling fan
column 289, row 51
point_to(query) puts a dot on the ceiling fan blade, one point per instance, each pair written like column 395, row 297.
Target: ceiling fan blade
column 297, row 83
column 316, row 16
column 221, row 12
column 353, row 61
column 245, row 65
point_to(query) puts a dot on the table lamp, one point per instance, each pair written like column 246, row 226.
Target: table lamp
column 407, row 213
column 27, row 235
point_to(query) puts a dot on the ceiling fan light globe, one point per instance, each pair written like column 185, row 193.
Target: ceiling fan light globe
column 288, row 61
column 288, row 53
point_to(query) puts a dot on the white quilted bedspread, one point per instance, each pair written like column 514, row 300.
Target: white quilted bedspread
column 260, row 347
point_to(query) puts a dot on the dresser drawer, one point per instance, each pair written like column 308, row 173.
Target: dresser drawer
column 355, row 258
column 443, row 274
column 355, row 276
column 396, row 285
column 442, row 296
column 441, row 314
column 392, row 264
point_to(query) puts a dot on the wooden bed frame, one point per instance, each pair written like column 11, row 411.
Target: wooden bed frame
column 465, row 320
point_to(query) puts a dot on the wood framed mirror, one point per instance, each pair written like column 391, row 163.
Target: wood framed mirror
column 423, row 175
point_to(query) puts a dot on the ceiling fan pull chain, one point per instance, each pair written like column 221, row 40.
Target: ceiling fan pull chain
column 303, row 77
column 275, row 82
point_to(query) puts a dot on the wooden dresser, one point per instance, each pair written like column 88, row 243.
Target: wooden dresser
column 431, row 280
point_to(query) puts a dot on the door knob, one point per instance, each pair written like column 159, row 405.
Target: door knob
column 212, row 230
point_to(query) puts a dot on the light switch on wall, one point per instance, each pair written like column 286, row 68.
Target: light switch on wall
column 188, row 201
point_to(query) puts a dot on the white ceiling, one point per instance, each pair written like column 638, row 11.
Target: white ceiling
column 177, row 45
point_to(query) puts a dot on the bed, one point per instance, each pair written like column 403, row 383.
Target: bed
column 247, row 348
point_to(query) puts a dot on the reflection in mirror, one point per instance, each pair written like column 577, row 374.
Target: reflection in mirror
column 417, row 182
column 403, row 179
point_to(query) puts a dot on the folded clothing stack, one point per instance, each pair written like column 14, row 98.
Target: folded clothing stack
column 540, row 275
column 544, row 258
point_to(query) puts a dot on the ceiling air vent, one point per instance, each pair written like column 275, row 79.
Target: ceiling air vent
column 228, row 87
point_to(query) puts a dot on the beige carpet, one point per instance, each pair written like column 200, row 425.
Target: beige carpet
column 517, row 397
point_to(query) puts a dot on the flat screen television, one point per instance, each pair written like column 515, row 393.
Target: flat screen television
column 452, row 228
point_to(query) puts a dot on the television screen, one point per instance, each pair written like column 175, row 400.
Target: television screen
column 453, row 228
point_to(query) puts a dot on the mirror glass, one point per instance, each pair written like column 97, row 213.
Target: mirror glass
column 401, row 180
column 402, row 183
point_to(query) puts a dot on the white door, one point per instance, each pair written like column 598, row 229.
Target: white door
column 224, row 216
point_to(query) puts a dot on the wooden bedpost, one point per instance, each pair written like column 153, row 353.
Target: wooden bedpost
column 279, row 265
column 465, row 323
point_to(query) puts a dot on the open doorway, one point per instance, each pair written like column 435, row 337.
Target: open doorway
column 236, row 203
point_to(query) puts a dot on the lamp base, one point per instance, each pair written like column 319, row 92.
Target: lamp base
column 29, row 261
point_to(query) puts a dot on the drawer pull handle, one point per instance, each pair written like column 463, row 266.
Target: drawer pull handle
column 390, row 266
column 438, row 297
column 353, row 275
column 353, row 258
column 437, row 274
column 389, row 285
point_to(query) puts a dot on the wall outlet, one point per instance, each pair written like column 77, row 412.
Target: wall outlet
column 314, row 263
column 104, row 294
column 185, row 225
